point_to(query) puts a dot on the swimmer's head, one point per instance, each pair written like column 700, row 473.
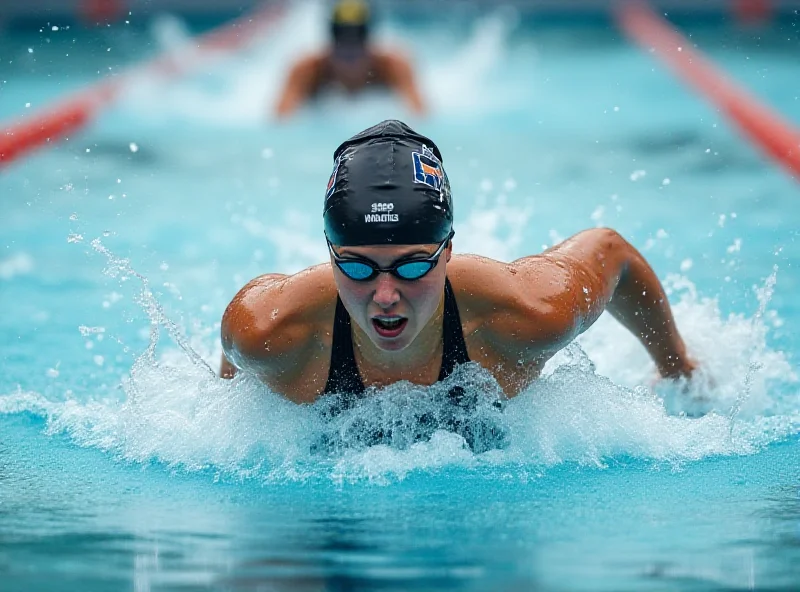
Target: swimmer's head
column 388, row 187
column 388, row 219
column 350, row 22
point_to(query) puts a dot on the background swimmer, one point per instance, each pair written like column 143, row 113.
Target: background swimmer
column 351, row 64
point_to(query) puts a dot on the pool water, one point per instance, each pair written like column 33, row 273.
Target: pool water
column 124, row 462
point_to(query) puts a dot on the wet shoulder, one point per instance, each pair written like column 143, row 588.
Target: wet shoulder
column 307, row 296
column 522, row 299
column 484, row 282
column 286, row 311
column 481, row 284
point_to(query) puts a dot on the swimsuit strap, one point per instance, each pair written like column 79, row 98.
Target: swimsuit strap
column 344, row 377
column 454, row 350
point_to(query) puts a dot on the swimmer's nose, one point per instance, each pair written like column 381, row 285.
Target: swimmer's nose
column 386, row 294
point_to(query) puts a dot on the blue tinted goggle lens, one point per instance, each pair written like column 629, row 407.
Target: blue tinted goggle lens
column 413, row 270
column 356, row 270
column 359, row 271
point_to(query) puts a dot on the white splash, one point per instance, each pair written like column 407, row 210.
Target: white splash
column 593, row 404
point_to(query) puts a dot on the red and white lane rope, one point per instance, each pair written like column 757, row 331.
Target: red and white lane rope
column 75, row 111
column 776, row 137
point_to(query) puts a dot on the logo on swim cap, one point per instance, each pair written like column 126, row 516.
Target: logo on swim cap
column 332, row 181
column 427, row 168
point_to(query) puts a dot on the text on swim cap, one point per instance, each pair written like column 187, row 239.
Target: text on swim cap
column 385, row 215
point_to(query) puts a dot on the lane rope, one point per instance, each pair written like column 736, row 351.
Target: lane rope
column 776, row 137
column 75, row 111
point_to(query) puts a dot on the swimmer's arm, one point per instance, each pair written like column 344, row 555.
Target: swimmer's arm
column 241, row 323
column 226, row 369
column 271, row 327
column 400, row 76
column 297, row 88
column 599, row 271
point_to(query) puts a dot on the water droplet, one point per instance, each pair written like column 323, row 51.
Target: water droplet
column 54, row 28
column 99, row 360
column 87, row 331
column 73, row 216
column 133, row 146
column 74, row 238
column 30, row 50
column 736, row 246
column 106, row 233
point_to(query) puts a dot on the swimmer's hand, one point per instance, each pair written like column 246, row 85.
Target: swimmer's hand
column 683, row 367
column 689, row 393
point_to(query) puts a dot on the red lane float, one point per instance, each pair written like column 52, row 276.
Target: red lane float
column 752, row 12
column 776, row 137
column 76, row 111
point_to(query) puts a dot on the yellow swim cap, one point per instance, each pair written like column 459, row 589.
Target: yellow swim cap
column 350, row 13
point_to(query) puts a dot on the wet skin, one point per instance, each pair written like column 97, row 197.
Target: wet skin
column 515, row 316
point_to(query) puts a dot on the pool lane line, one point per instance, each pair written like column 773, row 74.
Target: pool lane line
column 778, row 138
column 78, row 109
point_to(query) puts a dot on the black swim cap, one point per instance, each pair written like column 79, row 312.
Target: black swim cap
column 388, row 186
column 350, row 22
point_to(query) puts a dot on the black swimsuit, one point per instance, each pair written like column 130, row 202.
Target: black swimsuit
column 346, row 388
column 343, row 376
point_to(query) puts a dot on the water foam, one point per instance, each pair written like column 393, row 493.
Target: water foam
column 593, row 405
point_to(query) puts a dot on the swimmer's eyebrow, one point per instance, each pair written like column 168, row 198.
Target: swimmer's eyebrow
column 415, row 254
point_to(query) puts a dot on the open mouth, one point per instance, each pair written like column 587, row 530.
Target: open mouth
column 389, row 327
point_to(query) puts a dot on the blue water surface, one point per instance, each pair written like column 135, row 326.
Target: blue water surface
column 124, row 462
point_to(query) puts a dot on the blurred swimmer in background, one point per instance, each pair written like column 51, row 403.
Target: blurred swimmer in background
column 350, row 64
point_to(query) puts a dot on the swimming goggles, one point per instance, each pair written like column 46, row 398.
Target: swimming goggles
column 361, row 269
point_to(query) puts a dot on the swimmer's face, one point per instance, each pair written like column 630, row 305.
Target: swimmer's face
column 392, row 312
